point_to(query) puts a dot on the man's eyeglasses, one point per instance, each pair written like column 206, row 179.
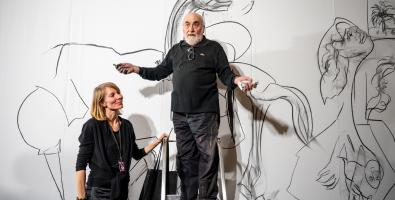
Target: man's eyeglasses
column 190, row 53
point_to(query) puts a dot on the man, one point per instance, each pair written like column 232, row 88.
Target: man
column 195, row 63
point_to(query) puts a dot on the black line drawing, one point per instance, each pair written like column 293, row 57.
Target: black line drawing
column 259, row 100
column 350, row 158
column 60, row 107
column 61, row 77
column 381, row 19
column 267, row 91
column 31, row 135
column 258, row 104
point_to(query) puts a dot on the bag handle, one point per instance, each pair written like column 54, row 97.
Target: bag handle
column 157, row 161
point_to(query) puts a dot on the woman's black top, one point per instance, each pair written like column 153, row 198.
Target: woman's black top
column 99, row 150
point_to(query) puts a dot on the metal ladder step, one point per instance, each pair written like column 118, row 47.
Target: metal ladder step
column 172, row 197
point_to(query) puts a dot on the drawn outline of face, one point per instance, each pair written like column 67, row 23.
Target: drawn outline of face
column 365, row 179
column 388, row 115
column 355, row 42
column 112, row 99
column 373, row 174
column 193, row 28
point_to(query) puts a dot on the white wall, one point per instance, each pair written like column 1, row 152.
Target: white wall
column 53, row 53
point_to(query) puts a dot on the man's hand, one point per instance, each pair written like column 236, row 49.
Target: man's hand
column 127, row 68
column 245, row 83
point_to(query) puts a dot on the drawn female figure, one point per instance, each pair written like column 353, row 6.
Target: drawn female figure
column 341, row 162
column 373, row 91
column 258, row 102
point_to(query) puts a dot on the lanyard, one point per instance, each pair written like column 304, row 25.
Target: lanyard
column 121, row 164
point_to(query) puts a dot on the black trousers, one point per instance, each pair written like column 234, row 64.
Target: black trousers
column 197, row 154
column 98, row 193
column 102, row 193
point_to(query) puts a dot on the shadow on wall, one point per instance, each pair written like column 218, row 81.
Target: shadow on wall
column 144, row 130
column 143, row 126
column 259, row 110
column 6, row 194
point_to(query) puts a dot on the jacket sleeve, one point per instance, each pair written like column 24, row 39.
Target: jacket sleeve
column 223, row 69
column 164, row 69
column 86, row 147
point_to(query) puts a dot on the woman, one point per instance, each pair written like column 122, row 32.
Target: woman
column 107, row 143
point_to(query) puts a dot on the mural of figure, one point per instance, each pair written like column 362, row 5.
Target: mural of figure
column 65, row 104
column 373, row 92
column 32, row 133
column 267, row 92
column 344, row 161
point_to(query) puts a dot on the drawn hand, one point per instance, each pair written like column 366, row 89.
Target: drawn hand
column 328, row 176
column 127, row 68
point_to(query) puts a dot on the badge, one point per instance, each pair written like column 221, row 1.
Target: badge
column 121, row 166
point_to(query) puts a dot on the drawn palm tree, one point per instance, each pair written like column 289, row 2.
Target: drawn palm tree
column 381, row 14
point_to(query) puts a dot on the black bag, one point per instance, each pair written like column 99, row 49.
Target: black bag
column 153, row 182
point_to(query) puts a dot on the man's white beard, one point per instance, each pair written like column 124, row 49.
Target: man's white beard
column 193, row 40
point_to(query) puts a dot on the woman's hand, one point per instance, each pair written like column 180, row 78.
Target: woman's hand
column 80, row 177
column 162, row 136
column 155, row 143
